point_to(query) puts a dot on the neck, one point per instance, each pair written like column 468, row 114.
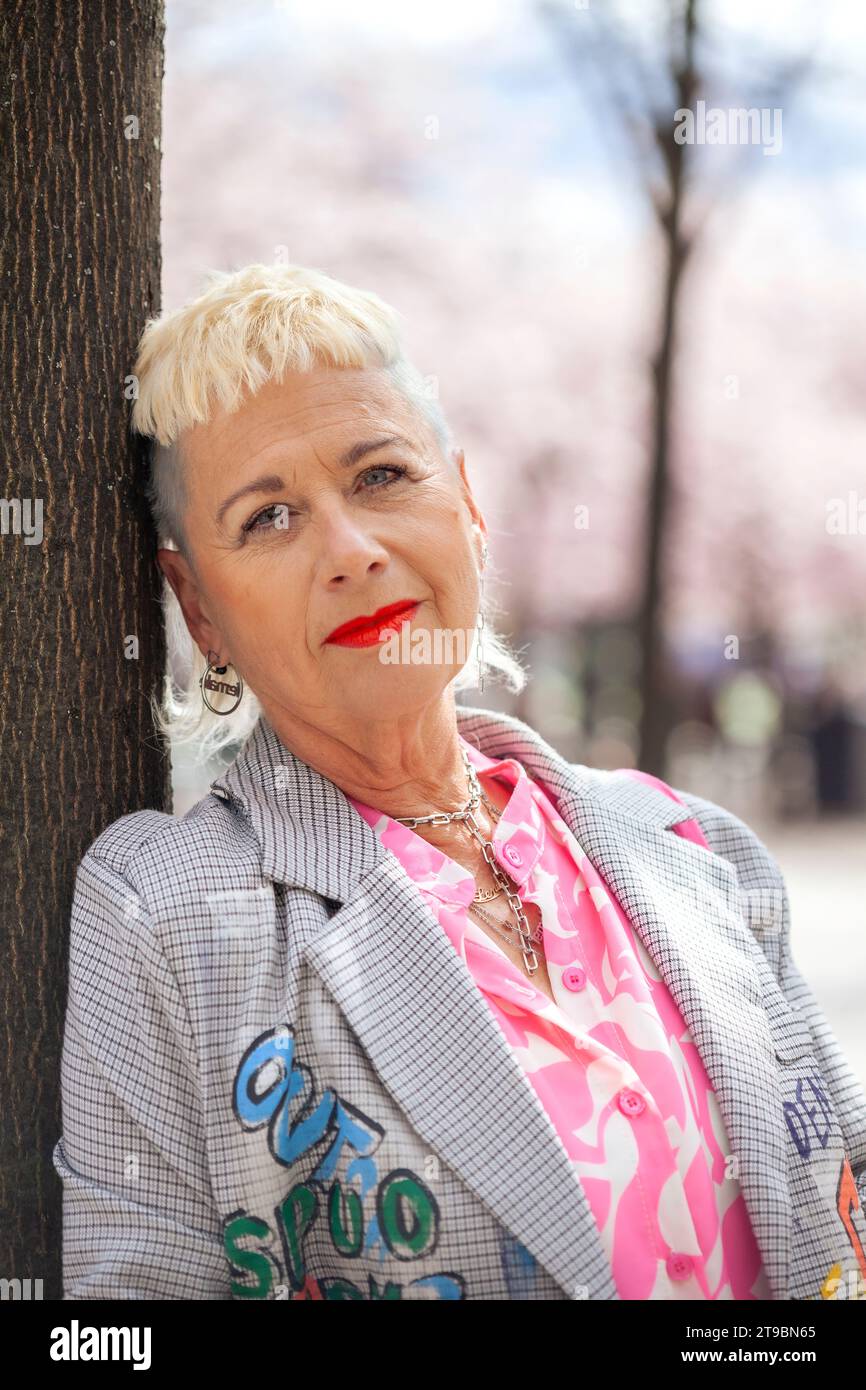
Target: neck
column 404, row 766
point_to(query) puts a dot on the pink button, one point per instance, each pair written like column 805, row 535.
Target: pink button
column 679, row 1265
column 513, row 855
column 574, row 978
column 630, row 1103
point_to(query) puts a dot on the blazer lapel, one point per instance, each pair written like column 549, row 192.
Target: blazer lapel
column 686, row 905
column 439, row 1050
column 431, row 1036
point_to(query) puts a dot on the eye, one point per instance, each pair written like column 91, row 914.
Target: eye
column 275, row 508
column 395, row 469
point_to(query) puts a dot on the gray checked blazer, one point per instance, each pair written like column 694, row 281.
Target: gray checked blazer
column 279, row 1079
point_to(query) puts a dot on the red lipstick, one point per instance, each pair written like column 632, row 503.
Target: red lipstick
column 367, row 631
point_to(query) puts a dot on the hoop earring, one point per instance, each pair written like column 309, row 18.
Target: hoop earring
column 207, row 682
column 480, row 621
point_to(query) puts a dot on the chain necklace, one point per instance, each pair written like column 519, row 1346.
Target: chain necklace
column 466, row 817
column 503, row 929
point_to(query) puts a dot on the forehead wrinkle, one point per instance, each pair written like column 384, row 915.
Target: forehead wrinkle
column 369, row 395
column 281, row 451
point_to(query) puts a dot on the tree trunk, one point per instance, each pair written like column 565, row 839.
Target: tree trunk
column 655, row 713
column 80, row 620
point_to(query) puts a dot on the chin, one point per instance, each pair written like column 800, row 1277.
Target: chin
column 390, row 690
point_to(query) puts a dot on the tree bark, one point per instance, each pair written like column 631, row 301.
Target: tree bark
column 80, row 619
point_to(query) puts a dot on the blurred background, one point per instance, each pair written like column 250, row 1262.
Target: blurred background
column 646, row 334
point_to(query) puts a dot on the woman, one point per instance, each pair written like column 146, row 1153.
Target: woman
column 408, row 1006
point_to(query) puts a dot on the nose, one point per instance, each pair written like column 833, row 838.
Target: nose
column 349, row 553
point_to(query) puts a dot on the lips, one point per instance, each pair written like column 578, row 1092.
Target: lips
column 366, row 630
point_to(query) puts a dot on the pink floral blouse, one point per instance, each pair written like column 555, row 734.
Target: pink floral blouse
column 612, row 1061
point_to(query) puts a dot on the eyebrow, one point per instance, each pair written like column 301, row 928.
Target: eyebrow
column 273, row 482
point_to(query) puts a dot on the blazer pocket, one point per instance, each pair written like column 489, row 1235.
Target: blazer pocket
column 790, row 1034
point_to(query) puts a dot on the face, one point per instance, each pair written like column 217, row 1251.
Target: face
column 300, row 519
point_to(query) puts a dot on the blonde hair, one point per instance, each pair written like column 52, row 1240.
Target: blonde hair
column 246, row 328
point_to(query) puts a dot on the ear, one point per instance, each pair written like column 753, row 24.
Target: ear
column 474, row 510
column 185, row 586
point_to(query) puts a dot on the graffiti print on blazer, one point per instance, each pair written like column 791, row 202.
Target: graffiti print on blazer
column 366, row 1215
column 809, row 1116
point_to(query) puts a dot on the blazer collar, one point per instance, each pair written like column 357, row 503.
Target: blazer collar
column 312, row 837
column 684, row 904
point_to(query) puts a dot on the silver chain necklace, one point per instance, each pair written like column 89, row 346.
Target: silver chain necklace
column 466, row 816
